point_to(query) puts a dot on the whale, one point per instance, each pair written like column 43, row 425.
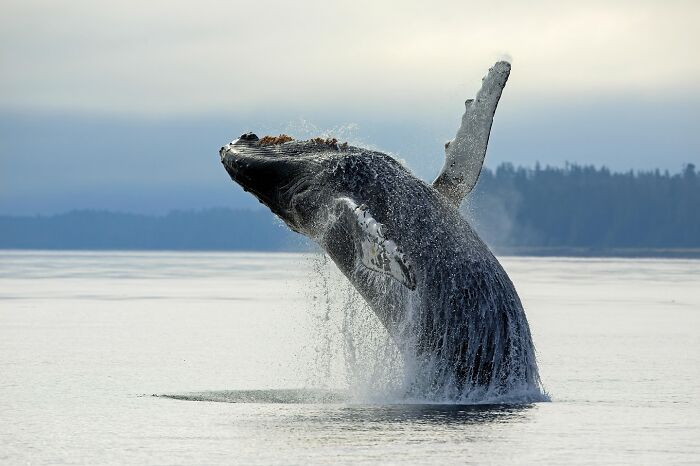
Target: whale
column 432, row 282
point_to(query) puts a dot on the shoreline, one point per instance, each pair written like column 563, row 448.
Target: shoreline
column 593, row 252
column 512, row 251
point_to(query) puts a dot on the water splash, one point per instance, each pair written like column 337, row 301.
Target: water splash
column 354, row 351
column 351, row 349
column 348, row 132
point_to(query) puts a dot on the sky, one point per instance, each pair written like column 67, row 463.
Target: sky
column 123, row 105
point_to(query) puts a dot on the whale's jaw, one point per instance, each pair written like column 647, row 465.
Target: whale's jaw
column 260, row 171
column 280, row 172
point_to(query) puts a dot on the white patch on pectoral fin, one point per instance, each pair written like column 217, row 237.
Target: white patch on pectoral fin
column 377, row 252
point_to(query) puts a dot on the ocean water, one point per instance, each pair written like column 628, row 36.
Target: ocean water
column 202, row 358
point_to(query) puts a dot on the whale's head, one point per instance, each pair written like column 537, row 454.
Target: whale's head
column 267, row 172
column 284, row 174
column 298, row 180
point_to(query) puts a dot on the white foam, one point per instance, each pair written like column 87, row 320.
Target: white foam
column 353, row 348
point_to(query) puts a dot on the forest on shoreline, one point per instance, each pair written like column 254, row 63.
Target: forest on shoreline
column 574, row 210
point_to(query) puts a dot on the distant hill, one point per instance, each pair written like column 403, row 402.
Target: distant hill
column 578, row 210
column 212, row 229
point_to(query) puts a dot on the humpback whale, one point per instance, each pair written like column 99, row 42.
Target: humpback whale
column 432, row 282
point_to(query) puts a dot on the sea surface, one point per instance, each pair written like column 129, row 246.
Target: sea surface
column 225, row 358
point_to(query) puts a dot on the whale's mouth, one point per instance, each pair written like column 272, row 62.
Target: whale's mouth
column 275, row 169
column 270, row 167
column 251, row 164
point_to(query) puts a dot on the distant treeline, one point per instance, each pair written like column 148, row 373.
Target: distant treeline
column 586, row 207
column 515, row 209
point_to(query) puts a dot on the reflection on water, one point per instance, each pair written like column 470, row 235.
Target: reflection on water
column 428, row 414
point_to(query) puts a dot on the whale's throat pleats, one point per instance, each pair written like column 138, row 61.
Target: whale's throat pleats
column 374, row 250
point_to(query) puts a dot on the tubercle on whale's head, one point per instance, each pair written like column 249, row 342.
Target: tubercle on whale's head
column 281, row 173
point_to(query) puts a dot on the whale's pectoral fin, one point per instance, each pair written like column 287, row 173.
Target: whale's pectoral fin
column 374, row 250
column 464, row 155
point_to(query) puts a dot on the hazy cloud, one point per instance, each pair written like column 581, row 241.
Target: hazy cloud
column 183, row 57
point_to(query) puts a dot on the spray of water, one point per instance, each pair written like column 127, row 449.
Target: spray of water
column 352, row 349
column 356, row 353
column 349, row 132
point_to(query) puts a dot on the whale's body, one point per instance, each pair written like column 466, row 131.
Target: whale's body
column 403, row 244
